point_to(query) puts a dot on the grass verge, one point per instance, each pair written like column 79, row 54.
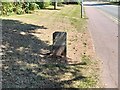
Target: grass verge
column 21, row 68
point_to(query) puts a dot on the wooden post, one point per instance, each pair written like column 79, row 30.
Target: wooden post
column 82, row 9
column 59, row 43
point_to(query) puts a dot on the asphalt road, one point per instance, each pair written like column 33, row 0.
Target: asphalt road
column 110, row 9
column 104, row 32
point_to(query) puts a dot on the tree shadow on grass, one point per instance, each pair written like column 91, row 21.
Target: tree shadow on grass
column 21, row 56
column 18, row 42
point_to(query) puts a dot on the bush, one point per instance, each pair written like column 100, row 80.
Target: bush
column 21, row 7
column 42, row 5
column 7, row 8
column 26, row 7
column 46, row 4
column 18, row 8
column 60, row 3
column 33, row 6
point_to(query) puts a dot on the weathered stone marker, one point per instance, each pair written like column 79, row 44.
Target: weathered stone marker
column 59, row 43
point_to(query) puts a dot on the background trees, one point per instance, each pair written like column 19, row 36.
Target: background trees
column 18, row 7
column 22, row 6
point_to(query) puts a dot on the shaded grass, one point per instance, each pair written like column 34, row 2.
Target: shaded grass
column 67, row 76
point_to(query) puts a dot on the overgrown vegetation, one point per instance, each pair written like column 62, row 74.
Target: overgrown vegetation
column 26, row 7
column 22, row 7
column 18, row 7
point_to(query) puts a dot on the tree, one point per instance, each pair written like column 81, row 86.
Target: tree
column 55, row 4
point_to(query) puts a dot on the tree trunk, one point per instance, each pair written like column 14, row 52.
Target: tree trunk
column 55, row 4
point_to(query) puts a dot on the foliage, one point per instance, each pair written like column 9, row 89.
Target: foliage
column 59, row 3
column 33, row 6
column 26, row 7
column 42, row 5
column 11, row 7
column 20, row 7
column 7, row 8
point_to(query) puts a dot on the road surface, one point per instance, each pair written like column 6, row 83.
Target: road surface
column 111, row 10
column 104, row 32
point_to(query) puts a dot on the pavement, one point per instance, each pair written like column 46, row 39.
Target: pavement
column 104, row 32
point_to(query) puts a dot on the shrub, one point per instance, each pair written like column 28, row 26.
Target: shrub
column 7, row 8
column 60, row 3
column 21, row 7
column 42, row 5
column 25, row 7
column 18, row 8
column 46, row 4
column 33, row 6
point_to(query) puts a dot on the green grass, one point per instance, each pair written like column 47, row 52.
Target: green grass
column 86, row 59
column 63, row 75
column 76, row 76
column 87, row 83
column 74, row 17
